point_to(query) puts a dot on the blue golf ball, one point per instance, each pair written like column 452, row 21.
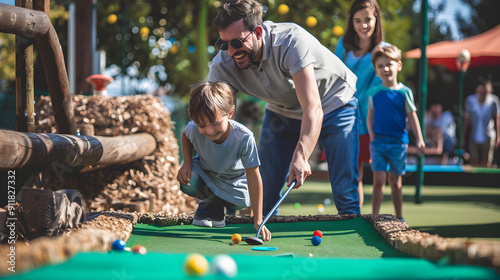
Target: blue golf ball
column 118, row 245
column 316, row 240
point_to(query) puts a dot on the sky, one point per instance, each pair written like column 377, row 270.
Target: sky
column 448, row 15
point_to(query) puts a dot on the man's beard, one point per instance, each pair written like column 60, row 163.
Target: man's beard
column 251, row 56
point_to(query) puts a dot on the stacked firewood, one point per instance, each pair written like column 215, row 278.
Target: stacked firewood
column 147, row 185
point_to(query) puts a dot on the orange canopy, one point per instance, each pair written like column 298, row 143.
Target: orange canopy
column 484, row 49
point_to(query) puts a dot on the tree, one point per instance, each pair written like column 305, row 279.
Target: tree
column 441, row 85
column 484, row 17
column 166, row 41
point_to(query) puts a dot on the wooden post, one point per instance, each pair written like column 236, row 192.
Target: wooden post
column 25, row 92
column 56, row 75
column 57, row 80
column 42, row 5
column 83, row 50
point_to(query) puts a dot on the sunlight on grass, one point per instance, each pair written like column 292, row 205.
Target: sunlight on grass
column 445, row 210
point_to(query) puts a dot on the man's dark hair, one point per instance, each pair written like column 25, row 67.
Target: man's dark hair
column 248, row 10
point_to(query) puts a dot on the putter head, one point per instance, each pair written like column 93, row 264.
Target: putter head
column 254, row 240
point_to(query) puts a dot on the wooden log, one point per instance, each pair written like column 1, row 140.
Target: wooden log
column 23, row 22
column 25, row 85
column 57, row 81
column 38, row 150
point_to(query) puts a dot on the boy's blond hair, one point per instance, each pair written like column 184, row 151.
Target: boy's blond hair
column 392, row 52
column 208, row 99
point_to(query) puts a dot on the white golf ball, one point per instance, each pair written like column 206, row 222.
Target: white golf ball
column 224, row 265
column 321, row 209
column 327, row 201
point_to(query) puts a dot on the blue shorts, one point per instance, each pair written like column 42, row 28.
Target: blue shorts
column 386, row 150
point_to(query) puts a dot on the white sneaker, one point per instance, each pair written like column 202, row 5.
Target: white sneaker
column 209, row 215
column 202, row 216
column 218, row 224
column 202, row 222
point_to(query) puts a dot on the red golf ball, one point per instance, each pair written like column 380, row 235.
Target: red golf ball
column 318, row 233
column 139, row 249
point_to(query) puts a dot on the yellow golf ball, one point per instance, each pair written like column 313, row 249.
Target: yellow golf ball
column 195, row 265
column 338, row 30
column 311, row 21
column 236, row 238
column 283, row 9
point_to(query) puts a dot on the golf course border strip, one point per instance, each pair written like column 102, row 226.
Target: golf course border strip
column 96, row 234
column 433, row 247
column 184, row 219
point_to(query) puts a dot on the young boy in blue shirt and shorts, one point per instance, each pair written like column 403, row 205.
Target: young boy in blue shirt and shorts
column 389, row 105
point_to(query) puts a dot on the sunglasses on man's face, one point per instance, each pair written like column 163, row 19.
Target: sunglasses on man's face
column 235, row 43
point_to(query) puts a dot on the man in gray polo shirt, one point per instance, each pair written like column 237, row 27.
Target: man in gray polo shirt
column 309, row 94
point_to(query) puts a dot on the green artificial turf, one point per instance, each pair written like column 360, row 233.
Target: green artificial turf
column 472, row 212
column 349, row 250
column 355, row 238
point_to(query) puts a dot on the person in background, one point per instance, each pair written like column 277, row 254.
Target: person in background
column 440, row 126
column 309, row 94
column 225, row 172
column 389, row 105
column 364, row 32
column 482, row 125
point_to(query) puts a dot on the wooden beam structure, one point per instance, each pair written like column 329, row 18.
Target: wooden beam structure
column 39, row 150
column 37, row 25
column 57, row 81
column 23, row 22
column 25, row 85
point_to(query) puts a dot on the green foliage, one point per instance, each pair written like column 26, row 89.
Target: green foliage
column 7, row 59
column 147, row 33
column 438, row 31
column 175, row 24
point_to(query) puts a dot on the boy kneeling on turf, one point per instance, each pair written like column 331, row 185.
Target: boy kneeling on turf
column 389, row 105
column 225, row 171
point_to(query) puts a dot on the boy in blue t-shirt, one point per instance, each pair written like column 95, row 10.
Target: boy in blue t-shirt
column 389, row 105
column 225, row 171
